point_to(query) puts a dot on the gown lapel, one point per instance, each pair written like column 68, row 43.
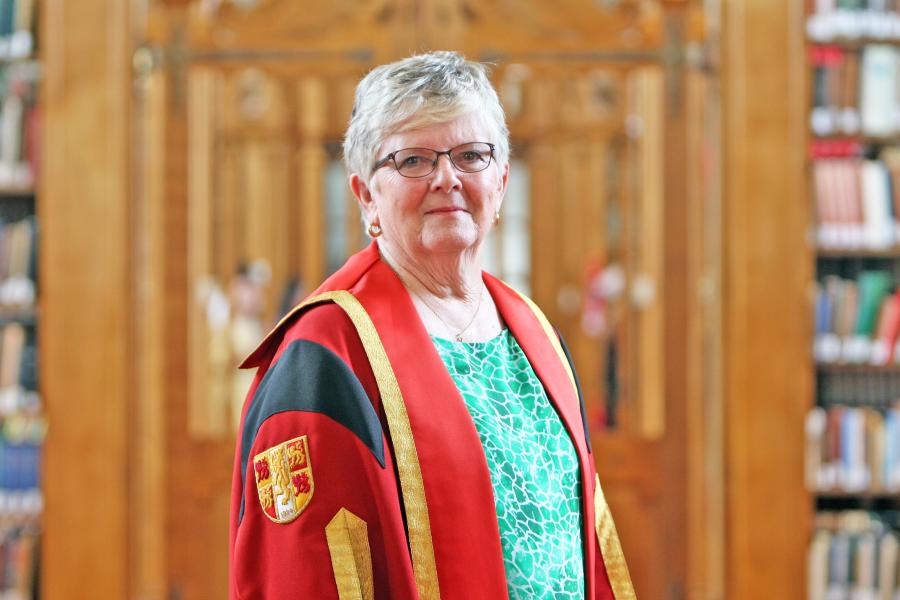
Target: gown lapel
column 457, row 483
column 550, row 369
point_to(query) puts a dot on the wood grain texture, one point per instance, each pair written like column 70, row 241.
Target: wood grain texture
column 704, row 411
column 86, row 329
column 198, row 474
column 767, row 308
column 147, row 576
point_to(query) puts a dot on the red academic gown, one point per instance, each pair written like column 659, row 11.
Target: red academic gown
column 338, row 492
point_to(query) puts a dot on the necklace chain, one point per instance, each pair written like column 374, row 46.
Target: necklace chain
column 459, row 334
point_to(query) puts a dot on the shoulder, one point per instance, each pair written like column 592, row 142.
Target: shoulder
column 317, row 354
column 318, row 369
column 325, row 324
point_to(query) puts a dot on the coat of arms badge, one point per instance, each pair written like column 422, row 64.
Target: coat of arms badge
column 284, row 479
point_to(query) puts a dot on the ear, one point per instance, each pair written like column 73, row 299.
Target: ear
column 501, row 185
column 363, row 195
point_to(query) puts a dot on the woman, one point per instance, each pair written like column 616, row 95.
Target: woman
column 414, row 429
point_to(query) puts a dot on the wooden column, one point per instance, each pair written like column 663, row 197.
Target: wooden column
column 767, row 308
column 147, row 507
column 85, row 291
column 311, row 160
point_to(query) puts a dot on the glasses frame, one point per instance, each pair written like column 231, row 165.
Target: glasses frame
column 391, row 158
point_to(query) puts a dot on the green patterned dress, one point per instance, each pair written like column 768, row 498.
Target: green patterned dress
column 533, row 466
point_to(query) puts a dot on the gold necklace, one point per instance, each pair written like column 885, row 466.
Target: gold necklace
column 459, row 335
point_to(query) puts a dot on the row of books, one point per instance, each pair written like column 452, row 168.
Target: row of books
column 18, row 21
column 853, row 450
column 854, row 555
column 855, row 90
column 18, row 367
column 22, row 428
column 853, row 19
column 19, row 126
column 857, row 321
column 18, row 263
column 866, row 387
column 20, row 464
column 19, row 558
column 858, row 201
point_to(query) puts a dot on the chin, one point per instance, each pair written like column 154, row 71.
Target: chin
column 450, row 240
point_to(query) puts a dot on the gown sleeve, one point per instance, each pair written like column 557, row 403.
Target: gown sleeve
column 314, row 491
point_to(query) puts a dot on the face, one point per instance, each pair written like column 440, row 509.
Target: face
column 447, row 211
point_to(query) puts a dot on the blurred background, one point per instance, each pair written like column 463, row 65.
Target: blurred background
column 702, row 199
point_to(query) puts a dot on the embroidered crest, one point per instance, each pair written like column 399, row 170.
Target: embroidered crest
column 284, row 479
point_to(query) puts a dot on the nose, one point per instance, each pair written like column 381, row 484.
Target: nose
column 445, row 177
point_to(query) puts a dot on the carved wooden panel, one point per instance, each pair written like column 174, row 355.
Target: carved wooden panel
column 397, row 27
column 266, row 91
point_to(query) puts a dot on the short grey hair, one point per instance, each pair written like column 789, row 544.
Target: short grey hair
column 418, row 91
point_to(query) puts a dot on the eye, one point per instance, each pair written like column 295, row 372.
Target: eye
column 414, row 159
column 470, row 157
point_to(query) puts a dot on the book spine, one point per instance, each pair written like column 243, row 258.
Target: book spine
column 878, row 96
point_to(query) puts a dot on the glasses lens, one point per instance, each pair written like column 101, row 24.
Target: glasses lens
column 471, row 157
column 415, row 162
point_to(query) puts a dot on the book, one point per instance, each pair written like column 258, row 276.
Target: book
column 853, row 554
column 839, row 556
column 888, row 550
column 873, row 288
column 854, row 474
column 832, row 472
column 847, row 315
column 878, row 95
column 885, row 345
column 817, row 565
column 891, row 158
column 849, row 117
column 852, row 449
column 877, row 211
column 874, row 442
column 865, row 567
column 816, row 423
column 891, row 473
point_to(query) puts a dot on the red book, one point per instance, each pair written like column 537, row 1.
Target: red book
column 891, row 325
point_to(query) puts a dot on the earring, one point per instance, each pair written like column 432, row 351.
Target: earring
column 374, row 230
column 496, row 218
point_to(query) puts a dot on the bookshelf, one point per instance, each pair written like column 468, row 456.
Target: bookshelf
column 22, row 424
column 853, row 431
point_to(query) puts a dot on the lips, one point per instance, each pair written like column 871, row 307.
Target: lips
column 446, row 209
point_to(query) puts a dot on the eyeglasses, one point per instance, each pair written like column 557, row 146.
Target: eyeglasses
column 419, row 162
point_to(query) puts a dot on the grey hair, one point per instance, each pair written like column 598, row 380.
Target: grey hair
column 418, row 91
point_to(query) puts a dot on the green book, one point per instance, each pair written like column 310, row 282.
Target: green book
column 873, row 286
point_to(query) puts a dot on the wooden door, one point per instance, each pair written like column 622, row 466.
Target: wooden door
column 240, row 108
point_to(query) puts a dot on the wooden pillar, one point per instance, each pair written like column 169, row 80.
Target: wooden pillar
column 147, row 508
column 767, row 310
column 85, row 291
column 311, row 160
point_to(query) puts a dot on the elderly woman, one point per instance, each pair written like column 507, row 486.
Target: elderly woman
column 415, row 429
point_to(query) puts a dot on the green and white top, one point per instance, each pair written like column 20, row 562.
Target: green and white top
column 532, row 463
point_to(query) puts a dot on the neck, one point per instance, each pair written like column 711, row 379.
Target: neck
column 448, row 294
column 445, row 276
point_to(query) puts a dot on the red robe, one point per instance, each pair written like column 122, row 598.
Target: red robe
column 359, row 472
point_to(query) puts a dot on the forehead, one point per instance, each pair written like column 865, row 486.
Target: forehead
column 440, row 136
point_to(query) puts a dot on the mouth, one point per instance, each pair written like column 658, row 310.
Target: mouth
column 445, row 210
